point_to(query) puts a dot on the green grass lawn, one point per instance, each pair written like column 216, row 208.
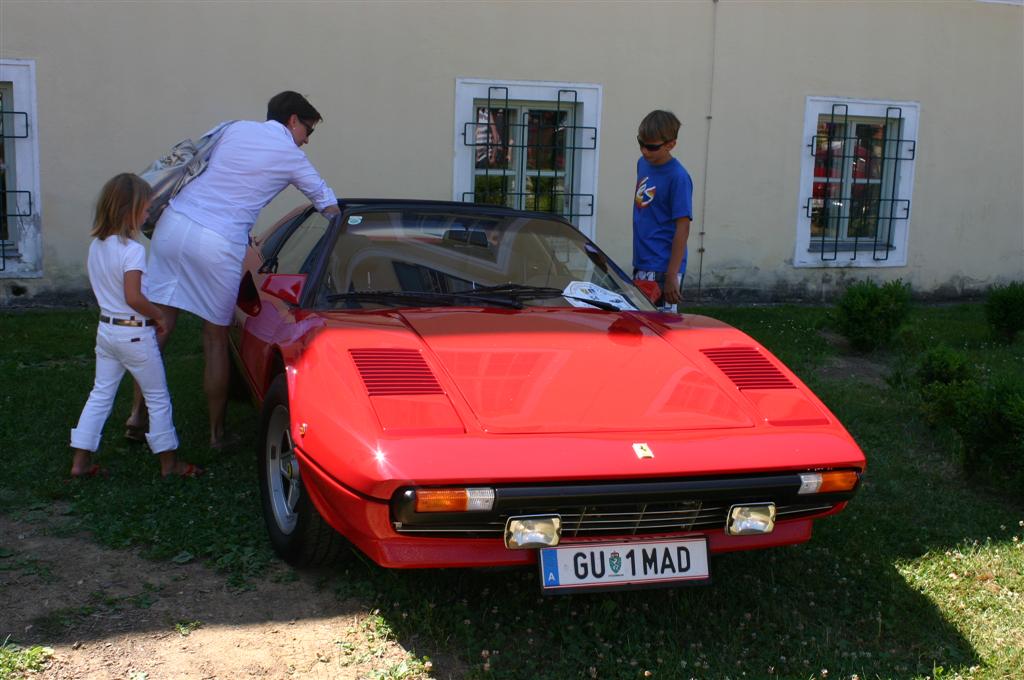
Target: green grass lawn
column 921, row 576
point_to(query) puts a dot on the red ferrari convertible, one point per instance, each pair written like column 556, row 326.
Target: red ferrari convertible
column 454, row 385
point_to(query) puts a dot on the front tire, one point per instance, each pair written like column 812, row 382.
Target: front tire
column 297, row 531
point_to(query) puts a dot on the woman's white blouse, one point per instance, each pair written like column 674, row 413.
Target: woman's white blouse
column 252, row 163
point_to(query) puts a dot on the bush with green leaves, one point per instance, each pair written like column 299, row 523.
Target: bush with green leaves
column 992, row 430
column 1004, row 309
column 944, row 381
column 868, row 315
column 988, row 418
column 943, row 404
column 942, row 364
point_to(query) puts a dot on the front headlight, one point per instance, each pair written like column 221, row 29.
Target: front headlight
column 754, row 518
column 532, row 531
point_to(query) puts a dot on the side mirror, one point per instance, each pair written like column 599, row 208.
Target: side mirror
column 287, row 287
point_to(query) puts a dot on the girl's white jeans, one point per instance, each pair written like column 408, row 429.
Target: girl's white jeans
column 131, row 348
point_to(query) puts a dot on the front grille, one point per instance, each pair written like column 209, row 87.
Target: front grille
column 638, row 519
column 634, row 519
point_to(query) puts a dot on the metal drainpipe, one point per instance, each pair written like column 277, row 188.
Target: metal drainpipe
column 707, row 153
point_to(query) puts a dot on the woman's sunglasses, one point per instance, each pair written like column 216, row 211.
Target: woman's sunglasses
column 650, row 147
column 309, row 128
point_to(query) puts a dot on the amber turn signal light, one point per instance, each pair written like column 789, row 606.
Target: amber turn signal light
column 828, row 482
column 454, row 500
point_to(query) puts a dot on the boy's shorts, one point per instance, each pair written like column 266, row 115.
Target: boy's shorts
column 659, row 278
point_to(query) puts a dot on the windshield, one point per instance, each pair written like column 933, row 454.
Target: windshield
column 421, row 257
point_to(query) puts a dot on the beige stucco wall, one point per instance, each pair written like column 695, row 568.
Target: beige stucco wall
column 963, row 62
column 119, row 82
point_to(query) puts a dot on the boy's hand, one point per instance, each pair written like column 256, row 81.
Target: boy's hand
column 672, row 294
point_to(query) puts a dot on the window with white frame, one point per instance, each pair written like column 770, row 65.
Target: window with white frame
column 528, row 145
column 19, row 172
column 857, row 176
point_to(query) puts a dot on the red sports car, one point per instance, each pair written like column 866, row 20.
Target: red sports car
column 454, row 385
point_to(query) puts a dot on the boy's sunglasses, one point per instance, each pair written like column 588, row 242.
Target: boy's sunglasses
column 650, row 147
column 309, row 128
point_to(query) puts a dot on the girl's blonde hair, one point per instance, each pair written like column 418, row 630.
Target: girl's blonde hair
column 121, row 207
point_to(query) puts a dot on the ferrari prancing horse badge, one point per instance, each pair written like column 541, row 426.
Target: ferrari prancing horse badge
column 642, row 450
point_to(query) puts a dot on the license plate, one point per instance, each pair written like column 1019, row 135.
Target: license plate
column 612, row 565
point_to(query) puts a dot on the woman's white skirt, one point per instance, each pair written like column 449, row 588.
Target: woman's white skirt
column 193, row 268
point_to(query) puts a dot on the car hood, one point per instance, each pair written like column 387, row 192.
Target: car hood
column 570, row 371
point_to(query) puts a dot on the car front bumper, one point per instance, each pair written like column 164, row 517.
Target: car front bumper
column 384, row 532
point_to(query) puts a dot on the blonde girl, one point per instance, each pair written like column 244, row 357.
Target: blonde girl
column 126, row 334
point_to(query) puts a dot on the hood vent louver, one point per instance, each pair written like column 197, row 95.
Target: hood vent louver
column 395, row 372
column 748, row 368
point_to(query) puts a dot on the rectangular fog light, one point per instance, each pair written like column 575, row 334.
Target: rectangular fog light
column 532, row 531
column 755, row 518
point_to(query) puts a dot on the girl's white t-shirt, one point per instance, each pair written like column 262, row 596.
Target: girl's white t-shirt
column 108, row 260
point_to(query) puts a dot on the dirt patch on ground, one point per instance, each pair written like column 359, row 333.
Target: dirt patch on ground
column 862, row 369
column 112, row 614
column 848, row 366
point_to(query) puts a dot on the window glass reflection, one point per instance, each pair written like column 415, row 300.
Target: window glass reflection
column 493, row 137
column 545, row 146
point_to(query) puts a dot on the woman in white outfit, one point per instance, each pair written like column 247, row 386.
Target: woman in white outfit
column 126, row 335
column 195, row 262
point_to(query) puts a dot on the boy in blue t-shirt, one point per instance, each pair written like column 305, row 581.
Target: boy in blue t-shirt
column 662, row 209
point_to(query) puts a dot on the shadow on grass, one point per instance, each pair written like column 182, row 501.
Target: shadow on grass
column 837, row 604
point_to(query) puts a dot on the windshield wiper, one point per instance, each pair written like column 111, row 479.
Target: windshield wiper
column 404, row 298
column 519, row 291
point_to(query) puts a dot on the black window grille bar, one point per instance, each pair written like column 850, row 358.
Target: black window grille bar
column 5, row 214
column 901, row 204
column 827, row 206
column 567, row 198
column 878, row 214
column 16, row 203
column 8, row 126
column 470, row 133
column 4, row 227
column 566, row 137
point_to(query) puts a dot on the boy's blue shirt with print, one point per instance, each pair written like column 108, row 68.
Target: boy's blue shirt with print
column 664, row 193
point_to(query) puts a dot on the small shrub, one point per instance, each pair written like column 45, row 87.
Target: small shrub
column 911, row 338
column 993, row 435
column 942, row 403
column 869, row 314
column 988, row 419
column 1004, row 309
column 942, row 365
